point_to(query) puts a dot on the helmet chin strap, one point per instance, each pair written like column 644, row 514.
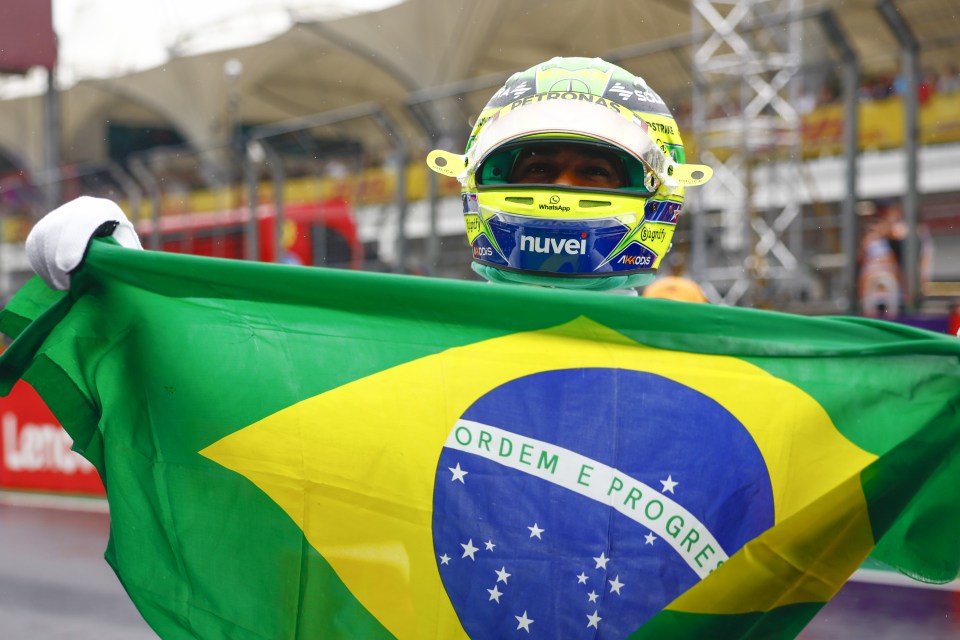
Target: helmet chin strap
column 605, row 283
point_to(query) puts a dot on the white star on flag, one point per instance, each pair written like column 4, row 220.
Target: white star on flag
column 594, row 620
column 458, row 474
column 669, row 484
column 582, row 578
column 489, row 544
column 601, row 561
column 592, row 596
column 444, row 559
column 469, row 549
column 523, row 622
column 502, row 575
column 649, row 538
column 494, row 594
column 535, row 531
column 615, row 585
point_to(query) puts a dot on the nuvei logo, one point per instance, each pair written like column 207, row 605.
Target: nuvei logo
column 570, row 246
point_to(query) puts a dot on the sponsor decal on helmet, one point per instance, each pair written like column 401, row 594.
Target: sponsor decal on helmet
column 469, row 201
column 642, row 93
column 485, row 249
column 554, row 205
column 570, row 84
column 514, row 90
column 540, row 244
column 652, row 234
column 660, row 127
column 631, row 257
column 662, row 211
column 635, row 260
column 563, row 95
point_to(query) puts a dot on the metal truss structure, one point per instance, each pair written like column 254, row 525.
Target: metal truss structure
column 746, row 55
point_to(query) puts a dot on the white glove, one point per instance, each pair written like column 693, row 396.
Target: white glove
column 58, row 243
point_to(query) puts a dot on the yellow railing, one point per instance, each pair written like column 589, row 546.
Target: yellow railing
column 882, row 125
column 371, row 186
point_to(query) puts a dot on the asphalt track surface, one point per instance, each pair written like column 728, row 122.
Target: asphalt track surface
column 55, row 585
column 54, row 582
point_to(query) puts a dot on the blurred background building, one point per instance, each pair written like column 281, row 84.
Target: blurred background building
column 296, row 131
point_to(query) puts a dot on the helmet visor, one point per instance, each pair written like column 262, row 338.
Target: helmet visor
column 574, row 161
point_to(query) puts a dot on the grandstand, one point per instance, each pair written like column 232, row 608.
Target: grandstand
column 343, row 108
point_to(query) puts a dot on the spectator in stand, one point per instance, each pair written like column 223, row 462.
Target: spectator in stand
column 928, row 85
column 806, row 101
column 879, row 272
column 877, row 87
column 949, row 80
column 826, row 96
column 886, row 86
column 890, row 212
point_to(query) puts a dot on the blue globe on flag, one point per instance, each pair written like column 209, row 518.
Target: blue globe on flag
column 578, row 503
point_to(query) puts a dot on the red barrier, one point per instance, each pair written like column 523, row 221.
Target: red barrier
column 35, row 451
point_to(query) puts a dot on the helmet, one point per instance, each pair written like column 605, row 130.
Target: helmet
column 572, row 235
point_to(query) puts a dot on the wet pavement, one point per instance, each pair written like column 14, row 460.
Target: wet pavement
column 55, row 585
column 54, row 582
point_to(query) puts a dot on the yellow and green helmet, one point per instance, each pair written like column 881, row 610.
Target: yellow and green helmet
column 582, row 236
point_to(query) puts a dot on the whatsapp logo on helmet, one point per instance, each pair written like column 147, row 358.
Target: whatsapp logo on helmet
column 573, row 177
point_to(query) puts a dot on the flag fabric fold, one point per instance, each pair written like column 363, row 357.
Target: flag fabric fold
column 302, row 453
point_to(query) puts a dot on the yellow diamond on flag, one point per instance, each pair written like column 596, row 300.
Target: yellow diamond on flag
column 355, row 467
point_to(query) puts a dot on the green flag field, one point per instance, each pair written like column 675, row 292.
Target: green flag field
column 294, row 452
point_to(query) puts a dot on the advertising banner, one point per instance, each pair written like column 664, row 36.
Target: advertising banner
column 35, row 451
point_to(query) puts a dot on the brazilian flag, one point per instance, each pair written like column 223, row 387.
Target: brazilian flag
column 307, row 453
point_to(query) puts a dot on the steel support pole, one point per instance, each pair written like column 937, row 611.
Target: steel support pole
column 251, row 234
column 278, row 177
column 851, row 150
column 51, row 160
column 698, row 222
column 433, row 240
column 400, row 197
column 909, row 52
column 152, row 187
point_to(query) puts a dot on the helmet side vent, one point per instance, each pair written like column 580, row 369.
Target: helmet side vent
column 590, row 204
column 515, row 200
